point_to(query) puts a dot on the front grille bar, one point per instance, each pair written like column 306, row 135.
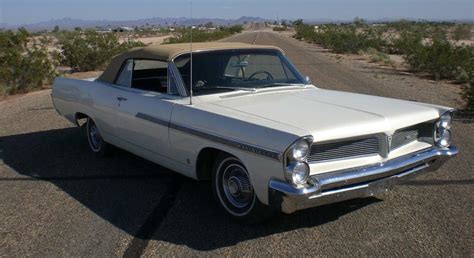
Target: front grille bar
column 344, row 149
column 379, row 144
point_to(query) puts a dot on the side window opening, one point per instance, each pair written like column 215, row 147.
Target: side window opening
column 125, row 76
column 150, row 75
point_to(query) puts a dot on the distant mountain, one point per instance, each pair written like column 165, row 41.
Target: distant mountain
column 69, row 23
column 382, row 20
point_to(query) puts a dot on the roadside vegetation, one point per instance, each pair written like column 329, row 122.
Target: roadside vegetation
column 280, row 28
column 25, row 63
column 90, row 50
column 431, row 49
column 31, row 60
column 184, row 35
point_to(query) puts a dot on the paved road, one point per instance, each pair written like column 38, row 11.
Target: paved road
column 57, row 198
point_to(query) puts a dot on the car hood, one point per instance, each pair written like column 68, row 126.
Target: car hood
column 327, row 114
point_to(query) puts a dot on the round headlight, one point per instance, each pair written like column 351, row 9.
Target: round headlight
column 444, row 139
column 299, row 150
column 444, row 123
column 298, row 173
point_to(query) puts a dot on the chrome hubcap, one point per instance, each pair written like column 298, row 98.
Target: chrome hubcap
column 94, row 136
column 237, row 187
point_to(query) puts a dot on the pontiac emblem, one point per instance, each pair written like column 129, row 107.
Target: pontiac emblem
column 389, row 141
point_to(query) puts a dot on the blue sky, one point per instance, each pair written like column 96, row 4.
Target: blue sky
column 30, row 11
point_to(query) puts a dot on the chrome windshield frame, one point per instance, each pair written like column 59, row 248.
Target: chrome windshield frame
column 281, row 55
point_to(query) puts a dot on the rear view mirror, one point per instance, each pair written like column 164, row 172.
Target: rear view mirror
column 240, row 64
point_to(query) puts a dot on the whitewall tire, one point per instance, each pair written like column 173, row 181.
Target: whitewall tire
column 94, row 138
column 233, row 190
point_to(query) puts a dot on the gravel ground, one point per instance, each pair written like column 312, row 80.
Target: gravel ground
column 59, row 199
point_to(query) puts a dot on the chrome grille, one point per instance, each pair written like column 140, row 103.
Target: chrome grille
column 344, row 149
column 403, row 137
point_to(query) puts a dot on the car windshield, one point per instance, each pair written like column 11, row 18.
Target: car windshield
column 227, row 70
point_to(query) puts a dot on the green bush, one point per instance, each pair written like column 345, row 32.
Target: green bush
column 462, row 32
column 304, row 31
column 90, row 50
column 282, row 28
column 184, row 35
column 439, row 58
column 341, row 38
column 424, row 46
column 407, row 43
column 376, row 56
column 24, row 65
column 468, row 93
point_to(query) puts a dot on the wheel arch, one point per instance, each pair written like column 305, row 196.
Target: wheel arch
column 205, row 161
column 79, row 116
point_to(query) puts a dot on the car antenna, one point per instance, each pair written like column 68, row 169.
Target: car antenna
column 191, row 58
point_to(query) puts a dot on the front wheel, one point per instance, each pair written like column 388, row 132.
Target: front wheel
column 234, row 192
column 95, row 140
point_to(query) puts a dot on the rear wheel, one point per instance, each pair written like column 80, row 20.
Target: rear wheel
column 234, row 191
column 95, row 140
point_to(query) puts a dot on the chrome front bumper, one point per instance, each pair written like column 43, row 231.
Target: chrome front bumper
column 355, row 183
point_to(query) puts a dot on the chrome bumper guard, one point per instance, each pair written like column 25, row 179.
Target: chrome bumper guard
column 343, row 185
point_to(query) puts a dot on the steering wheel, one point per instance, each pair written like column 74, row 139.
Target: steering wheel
column 269, row 75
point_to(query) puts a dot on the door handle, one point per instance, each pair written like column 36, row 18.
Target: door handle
column 121, row 99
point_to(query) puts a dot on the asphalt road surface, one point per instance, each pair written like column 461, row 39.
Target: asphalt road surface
column 57, row 198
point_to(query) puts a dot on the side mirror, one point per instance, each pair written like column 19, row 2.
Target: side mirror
column 307, row 79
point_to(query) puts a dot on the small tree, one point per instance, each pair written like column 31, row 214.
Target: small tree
column 298, row 22
column 469, row 92
column 24, row 65
column 91, row 50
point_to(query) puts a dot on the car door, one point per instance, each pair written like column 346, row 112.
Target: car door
column 102, row 107
column 144, row 109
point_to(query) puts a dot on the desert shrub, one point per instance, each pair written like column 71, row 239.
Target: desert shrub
column 91, row 50
column 439, row 58
column 280, row 28
column 407, row 43
column 462, row 31
column 376, row 56
column 424, row 45
column 184, row 35
column 468, row 93
column 342, row 38
column 150, row 32
column 24, row 64
column 304, row 32
column 348, row 40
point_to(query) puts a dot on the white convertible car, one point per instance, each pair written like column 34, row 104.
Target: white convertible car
column 244, row 117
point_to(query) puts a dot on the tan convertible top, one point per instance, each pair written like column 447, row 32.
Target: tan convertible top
column 169, row 51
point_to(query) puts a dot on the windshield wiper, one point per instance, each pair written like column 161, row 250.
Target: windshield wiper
column 226, row 88
column 280, row 84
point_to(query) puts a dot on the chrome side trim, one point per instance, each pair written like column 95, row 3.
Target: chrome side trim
column 232, row 143
column 356, row 183
column 152, row 119
column 272, row 154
